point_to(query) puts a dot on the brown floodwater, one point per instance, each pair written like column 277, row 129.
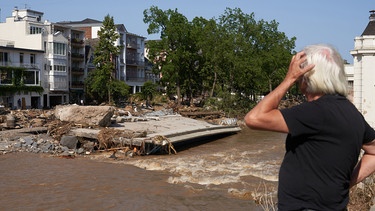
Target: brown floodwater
column 221, row 174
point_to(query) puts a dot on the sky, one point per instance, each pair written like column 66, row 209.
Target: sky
column 335, row 22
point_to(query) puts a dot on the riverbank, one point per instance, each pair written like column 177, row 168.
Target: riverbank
column 39, row 142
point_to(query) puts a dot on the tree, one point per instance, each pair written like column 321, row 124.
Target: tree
column 232, row 54
column 148, row 90
column 172, row 54
column 101, row 83
column 258, row 54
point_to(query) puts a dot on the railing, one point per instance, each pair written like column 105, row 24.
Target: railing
column 77, row 41
column 77, row 84
column 77, row 55
column 77, row 69
column 58, row 86
column 132, row 45
column 25, row 65
column 135, row 62
column 136, row 79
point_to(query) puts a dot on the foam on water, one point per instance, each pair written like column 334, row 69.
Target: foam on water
column 212, row 169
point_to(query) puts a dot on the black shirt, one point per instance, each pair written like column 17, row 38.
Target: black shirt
column 322, row 148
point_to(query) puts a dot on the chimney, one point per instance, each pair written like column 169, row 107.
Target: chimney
column 15, row 14
column 372, row 15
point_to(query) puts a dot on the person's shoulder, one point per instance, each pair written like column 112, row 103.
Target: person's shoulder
column 332, row 97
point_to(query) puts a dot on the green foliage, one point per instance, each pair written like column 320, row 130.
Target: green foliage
column 159, row 98
column 11, row 89
column 235, row 56
column 101, row 84
column 120, row 90
column 148, row 90
column 17, row 84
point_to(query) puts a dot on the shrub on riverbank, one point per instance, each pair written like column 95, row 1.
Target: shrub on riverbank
column 362, row 195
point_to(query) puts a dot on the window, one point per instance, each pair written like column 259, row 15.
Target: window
column 32, row 58
column 6, row 77
column 3, row 58
column 75, row 36
column 59, row 49
column 59, row 68
column 31, row 77
column 21, row 58
column 35, row 30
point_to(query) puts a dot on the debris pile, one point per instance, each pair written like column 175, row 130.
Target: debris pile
column 69, row 130
column 47, row 131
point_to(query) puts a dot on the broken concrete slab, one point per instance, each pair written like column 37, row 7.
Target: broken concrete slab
column 175, row 127
column 85, row 115
column 69, row 141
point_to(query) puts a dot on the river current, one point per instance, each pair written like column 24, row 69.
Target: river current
column 221, row 174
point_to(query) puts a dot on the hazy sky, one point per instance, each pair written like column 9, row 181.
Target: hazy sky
column 335, row 22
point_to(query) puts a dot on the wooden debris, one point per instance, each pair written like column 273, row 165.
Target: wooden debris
column 165, row 143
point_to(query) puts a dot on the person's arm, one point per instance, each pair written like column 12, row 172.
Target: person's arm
column 366, row 166
column 265, row 115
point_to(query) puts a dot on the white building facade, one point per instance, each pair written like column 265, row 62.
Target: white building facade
column 63, row 68
column 30, row 62
column 364, row 71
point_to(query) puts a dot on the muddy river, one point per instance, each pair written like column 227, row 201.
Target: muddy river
column 222, row 174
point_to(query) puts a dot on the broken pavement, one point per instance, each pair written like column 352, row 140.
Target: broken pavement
column 73, row 129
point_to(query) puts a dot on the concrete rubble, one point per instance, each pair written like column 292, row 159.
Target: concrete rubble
column 85, row 115
column 70, row 130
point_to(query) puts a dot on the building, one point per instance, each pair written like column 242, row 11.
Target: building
column 29, row 32
column 20, row 66
column 130, row 63
column 349, row 72
column 364, row 69
column 64, row 55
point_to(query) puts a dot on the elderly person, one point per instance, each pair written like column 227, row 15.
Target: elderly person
column 325, row 134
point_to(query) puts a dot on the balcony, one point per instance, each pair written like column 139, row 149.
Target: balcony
column 77, row 84
column 135, row 62
column 136, row 79
column 58, row 86
column 24, row 65
column 77, row 56
column 77, row 70
column 77, row 42
column 132, row 45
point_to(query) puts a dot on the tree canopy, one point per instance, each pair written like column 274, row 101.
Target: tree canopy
column 233, row 55
column 101, row 84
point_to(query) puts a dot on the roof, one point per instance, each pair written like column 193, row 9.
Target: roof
column 21, row 49
column 85, row 21
column 370, row 28
column 121, row 27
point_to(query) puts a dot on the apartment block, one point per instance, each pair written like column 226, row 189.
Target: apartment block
column 23, row 32
column 12, row 61
column 130, row 63
column 64, row 53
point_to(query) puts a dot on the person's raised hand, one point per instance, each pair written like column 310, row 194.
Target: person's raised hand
column 298, row 67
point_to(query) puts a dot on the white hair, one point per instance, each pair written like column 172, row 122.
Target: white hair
column 328, row 75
